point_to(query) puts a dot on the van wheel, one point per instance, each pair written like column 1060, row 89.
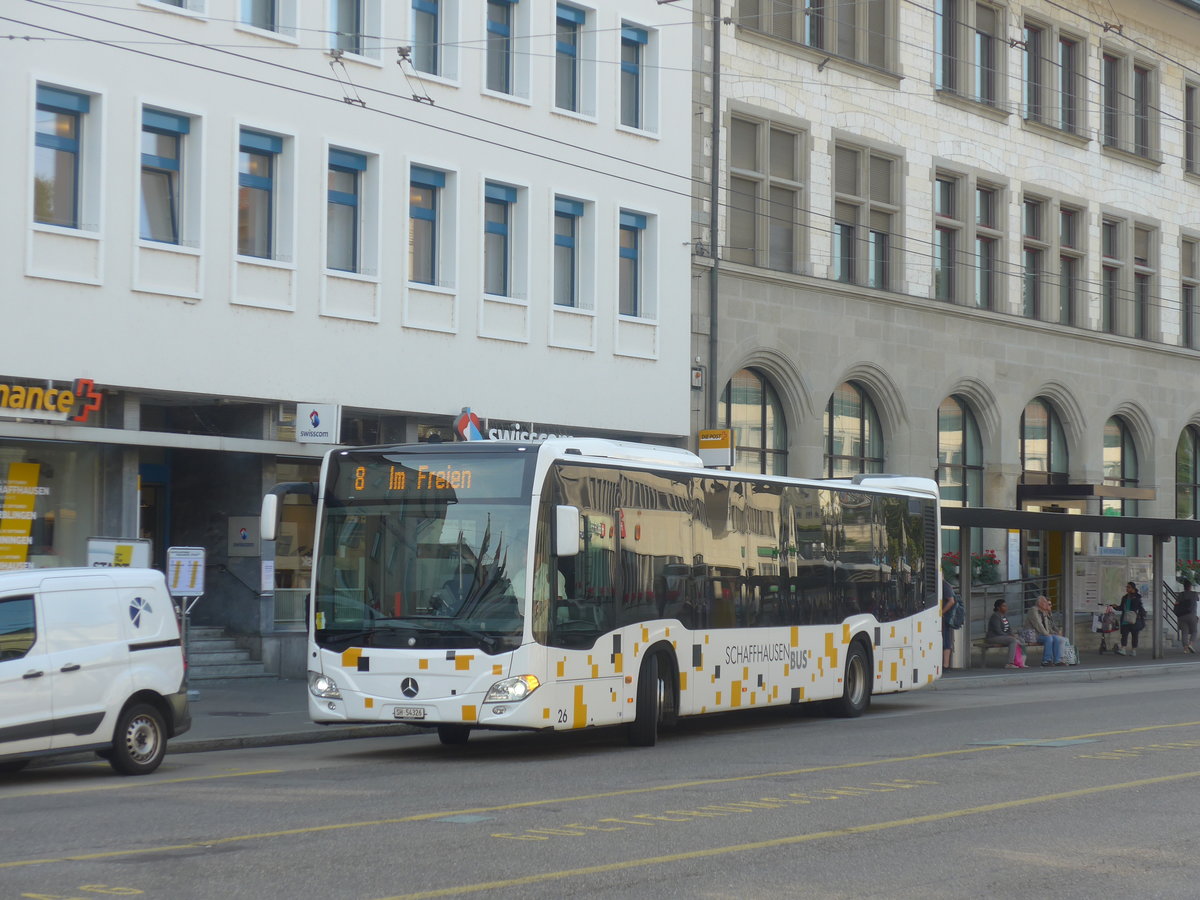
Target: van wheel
column 454, row 735
column 856, row 685
column 655, row 702
column 139, row 742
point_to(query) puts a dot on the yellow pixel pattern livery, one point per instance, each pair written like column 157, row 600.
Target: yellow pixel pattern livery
column 581, row 583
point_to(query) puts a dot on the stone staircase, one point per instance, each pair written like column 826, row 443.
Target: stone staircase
column 211, row 654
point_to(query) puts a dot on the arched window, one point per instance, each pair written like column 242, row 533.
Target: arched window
column 1120, row 470
column 751, row 407
column 1043, row 461
column 960, row 465
column 1187, row 492
column 1043, row 445
column 960, row 454
column 853, row 437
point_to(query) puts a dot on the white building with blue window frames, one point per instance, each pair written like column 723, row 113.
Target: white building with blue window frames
column 232, row 216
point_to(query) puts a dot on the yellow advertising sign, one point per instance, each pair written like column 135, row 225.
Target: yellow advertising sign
column 20, row 492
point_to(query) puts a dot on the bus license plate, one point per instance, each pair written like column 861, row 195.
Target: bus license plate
column 408, row 712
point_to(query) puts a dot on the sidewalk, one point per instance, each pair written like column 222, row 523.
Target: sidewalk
column 271, row 712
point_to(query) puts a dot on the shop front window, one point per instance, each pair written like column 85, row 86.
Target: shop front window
column 294, row 546
column 48, row 503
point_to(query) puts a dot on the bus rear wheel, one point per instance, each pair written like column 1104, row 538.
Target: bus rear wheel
column 453, row 735
column 856, row 685
column 655, row 702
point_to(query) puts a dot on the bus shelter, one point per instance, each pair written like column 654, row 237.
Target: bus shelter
column 1162, row 531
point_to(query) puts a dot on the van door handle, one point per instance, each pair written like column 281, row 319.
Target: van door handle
column 33, row 674
column 70, row 667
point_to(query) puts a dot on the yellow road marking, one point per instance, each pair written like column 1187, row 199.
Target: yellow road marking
column 529, row 804
column 791, row 840
column 124, row 784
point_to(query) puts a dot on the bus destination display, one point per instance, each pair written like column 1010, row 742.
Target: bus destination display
column 445, row 478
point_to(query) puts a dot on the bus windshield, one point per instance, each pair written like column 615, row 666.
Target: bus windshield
column 423, row 549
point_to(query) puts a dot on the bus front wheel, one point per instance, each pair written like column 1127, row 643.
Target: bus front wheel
column 655, row 702
column 856, row 685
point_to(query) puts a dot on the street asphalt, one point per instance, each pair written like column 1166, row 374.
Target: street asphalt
column 268, row 712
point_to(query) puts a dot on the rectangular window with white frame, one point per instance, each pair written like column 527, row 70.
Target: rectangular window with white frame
column 60, row 122
column 425, row 223
column 631, row 298
column 344, row 210
column 766, row 193
column 162, row 141
column 504, row 66
column 1054, row 86
column 858, row 30
column 427, row 36
column 969, row 50
column 633, row 43
column 568, row 227
column 261, row 14
column 866, row 216
column 569, row 22
column 355, row 27
column 1129, row 106
column 499, row 222
column 258, row 189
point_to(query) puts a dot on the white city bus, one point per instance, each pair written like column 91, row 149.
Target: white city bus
column 582, row 582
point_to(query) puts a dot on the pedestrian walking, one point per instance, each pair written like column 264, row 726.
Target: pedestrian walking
column 1185, row 614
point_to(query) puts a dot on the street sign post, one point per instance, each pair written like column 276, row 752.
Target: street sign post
column 185, row 580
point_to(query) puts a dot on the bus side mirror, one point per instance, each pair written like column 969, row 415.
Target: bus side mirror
column 269, row 517
column 566, row 531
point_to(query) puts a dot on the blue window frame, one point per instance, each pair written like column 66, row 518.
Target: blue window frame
column 497, row 238
column 257, row 155
column 630, row 269
column 162, row 146
column 427, row 27
column 424, row 194
column 262, row 14
column 633, row 40
column 567, row 217
column 569, row 23
column 342, row 209
column 58, row 133
column 499, row 45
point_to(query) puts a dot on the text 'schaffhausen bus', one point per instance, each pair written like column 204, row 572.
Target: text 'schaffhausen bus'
column 582, row 582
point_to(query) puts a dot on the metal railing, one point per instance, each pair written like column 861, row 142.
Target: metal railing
column 1019, row 594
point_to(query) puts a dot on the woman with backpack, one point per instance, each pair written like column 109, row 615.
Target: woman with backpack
column 952, row 620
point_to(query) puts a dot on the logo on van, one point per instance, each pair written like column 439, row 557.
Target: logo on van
column 136, row 607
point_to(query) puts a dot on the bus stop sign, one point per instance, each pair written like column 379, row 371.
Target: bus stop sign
column 185, row 571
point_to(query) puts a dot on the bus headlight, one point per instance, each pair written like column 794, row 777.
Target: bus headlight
column 512, row 690
column 323, row 686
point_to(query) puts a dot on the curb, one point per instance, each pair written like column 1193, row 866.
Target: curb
column 1074, row 674
column 246, row 742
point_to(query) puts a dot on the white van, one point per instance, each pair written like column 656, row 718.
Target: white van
column 90, row 659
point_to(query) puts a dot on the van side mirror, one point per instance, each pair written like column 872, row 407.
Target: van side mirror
column 566, row 531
